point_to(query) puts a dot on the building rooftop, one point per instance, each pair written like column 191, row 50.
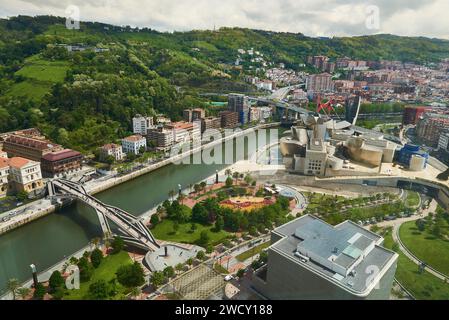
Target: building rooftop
column 61, row 155
column 343, row 254
column 135, row 138
column 111, row 146
column 19, row 163
column 4, row 163
column 32, row 142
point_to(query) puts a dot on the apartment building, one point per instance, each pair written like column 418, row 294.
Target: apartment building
column 25, row 175
column 141, row 124
column 229, row 119
column 210, row 123
column 431, row 126
column 161, row 137
column 319, row 83
column 29, row 147
column 4, row 174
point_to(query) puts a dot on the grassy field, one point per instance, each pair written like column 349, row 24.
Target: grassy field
column 40, row 75
column 253, row 251
column 164, row 231
column 426, row 247
column 106, row 272
column 423, row 286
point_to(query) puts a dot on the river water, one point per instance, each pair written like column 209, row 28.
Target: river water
column 46, row 241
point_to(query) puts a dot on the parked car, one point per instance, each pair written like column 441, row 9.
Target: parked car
column 228, row 278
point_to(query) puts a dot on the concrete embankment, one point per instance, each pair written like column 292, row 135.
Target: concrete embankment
column 96, row 187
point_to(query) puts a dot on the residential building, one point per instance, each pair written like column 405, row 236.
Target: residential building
column 162, row 120
column 229, row 119
column 319, row 83
column 312, row 260
column 187, row 115
column 141, row 124
column 29, row 147
column 210, row 123
column 133, row 144
column 184, row 131
column 4, row 174
column 61, row 163
column 239, row 103
column 161, row 137
column 443, row 143
column 25, row 175
column 430, row 128
column 3, row 154
column 413, row 114
column 112, row 150
column 192, row 115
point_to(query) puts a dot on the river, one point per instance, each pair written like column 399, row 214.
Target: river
column 46, row 241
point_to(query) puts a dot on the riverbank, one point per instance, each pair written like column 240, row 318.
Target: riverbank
column 97, row 186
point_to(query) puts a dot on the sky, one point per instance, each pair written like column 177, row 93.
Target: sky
column 311, row 17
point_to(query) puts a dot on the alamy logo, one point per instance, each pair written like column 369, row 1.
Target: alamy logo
column 373, row 272
column 72, row 21
column 72, row 282
column 372, row 21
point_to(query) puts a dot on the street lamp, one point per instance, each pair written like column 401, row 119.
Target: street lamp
column 34, row 271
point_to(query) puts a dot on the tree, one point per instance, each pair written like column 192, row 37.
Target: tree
column 117, row 245
column 154, row 220
column 228, row 172
column 209, row 249
column 248, row 179
column 85, row 269
column 179, row 267
column 23, row 292
column 99, row 290
column 219, row 224
column 171, row 194
column 193, row 228
column 204, row 238
column 169, row 272
column 39, row 291
column 56, row 281
column 436, row 231
column 157, row 279
column 203, row 186
column 13, row 285
column 241, row 273
column 229, row 182
column 135, row 292
column 200, row 214
column 190, row 261
column 96, row 257
column 201, row 255
column 22, row 196
column 131, row 275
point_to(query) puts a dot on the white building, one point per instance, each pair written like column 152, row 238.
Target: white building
column 25, row 175
column 3, row 154
column 4, row 174
column 141, row 124
column 133, row 144
column 265, row 85
column 185, row 132
column 114, row 150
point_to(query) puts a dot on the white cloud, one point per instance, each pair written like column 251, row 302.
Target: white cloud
column 311, row 17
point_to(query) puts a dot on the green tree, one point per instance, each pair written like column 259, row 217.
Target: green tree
column 193, row 227
column 241, row 273
column 229, row 182
column 56, row 281
column 13, row 285
column 22, row 196
column 157, row 279
column 169, row 272
column 131, row 275
column 39, row 291
column 219, row 224
column 85, row 268
column 99, row 290
column 96, row 257
column 200, row 214
column 154, row 220
column 117, row 245
column 201, row 255
column 204, row 238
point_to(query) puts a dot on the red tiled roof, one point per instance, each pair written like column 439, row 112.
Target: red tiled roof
column 4, row 163
column 135, row 138
column 31, row 142
column 110, row 146
column 18, row 162
column 61, row 155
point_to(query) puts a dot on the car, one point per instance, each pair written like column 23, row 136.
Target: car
column 228, row 278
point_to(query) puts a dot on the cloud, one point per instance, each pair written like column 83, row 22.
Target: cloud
column 311, row 17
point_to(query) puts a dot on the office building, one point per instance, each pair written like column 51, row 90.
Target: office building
column 312, row 260
column 133, row 144
column 61, row 163
column 141, row 124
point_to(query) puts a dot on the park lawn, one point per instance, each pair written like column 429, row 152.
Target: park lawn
column 164, row 231
column 433, row 251
column 413, row 199
column 422, row 286
column 106, row 271
column 253, row 251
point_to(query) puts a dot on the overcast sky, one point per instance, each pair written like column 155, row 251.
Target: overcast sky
column 311, row 17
